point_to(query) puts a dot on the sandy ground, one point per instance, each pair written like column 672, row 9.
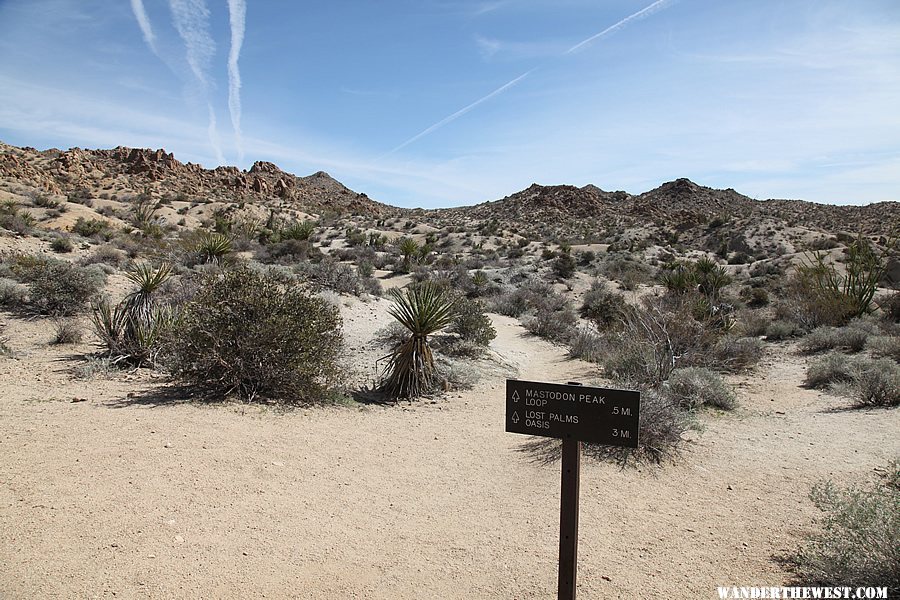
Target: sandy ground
column 125, row 493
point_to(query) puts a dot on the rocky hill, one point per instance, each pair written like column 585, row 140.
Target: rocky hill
column 695, row 216
column 90, row 172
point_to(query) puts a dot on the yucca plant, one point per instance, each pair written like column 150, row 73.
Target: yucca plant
column 213, row 247
column 409, row 248
column 132, row 330
column 298, row 231
column 423, row 310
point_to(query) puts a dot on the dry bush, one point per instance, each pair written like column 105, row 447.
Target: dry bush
column 830, row 369
column 856, row 544
column 735, row 354
column 588, row 345
column 662, row 427
column 780, row 330
column 693, row 387
column 66, row 332
column 887, row 346
column 875, row 382
column 852, row 339
column 12, row 293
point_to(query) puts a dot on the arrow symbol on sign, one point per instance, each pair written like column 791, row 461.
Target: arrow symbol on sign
column 515, row 395
column 515, row 417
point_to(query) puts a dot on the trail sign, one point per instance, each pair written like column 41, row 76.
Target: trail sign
column 573, row 412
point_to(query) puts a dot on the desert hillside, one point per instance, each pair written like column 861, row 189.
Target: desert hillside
column 229, row 383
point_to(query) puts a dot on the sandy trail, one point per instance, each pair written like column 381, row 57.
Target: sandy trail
column 139, row 497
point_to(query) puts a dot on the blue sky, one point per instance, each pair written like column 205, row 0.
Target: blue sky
column 448, row 102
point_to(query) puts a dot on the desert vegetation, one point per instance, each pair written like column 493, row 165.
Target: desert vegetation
column 317, row 296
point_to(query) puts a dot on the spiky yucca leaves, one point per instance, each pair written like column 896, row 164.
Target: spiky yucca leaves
column 132, row 330
column 213, row 247
column 298, row 231
column 409, row 249
column 410, row 370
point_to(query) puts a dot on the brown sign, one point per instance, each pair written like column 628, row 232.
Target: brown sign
column 573, row 412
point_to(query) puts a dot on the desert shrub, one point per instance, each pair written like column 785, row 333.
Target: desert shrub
column 13, row 219
column 511, row 304
column 564, row 265
column 470, row 323
column 62, row 244
column 891, row 307
column 106, row 255
column 626, row 269
column 245, row 333
column 66, row 332
column 11, row 293
column 555, row 324
column 736, row 354
column 652, row 340
column 879, row 345
column 692, row 387
column 602, row 306
column 289, row 251
column 751, row 324
column 89, row 227
column 662, row 427
column 331, row 275
column 587, row 344
column 410, row 370
column 832, row 368
column 829, row 338
column 755, row 297
column 856, row 544
column 780, row 330
column 56, row 287
column 875, row 382
column 825, row 296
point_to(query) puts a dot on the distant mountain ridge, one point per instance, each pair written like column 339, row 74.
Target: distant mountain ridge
column 680, row 205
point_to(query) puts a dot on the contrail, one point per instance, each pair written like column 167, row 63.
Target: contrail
column 462, row 111
column 237, row 15
column 644, row 12
column 137, row 7
column 191, row 20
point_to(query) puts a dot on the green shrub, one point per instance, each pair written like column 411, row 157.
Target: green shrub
column 55, row 287
column 602, row 306
column 470, row 322
column 89, row 228
column 856, row 544
column 62, row 244
column 245, row 333
column 692, row 387
column 891, row 307
column 564, row 265
column 552, row 322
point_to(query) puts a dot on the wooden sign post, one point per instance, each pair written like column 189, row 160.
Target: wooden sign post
column 573, row 413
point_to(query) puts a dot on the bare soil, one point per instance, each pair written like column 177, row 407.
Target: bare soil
column 110, row 487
